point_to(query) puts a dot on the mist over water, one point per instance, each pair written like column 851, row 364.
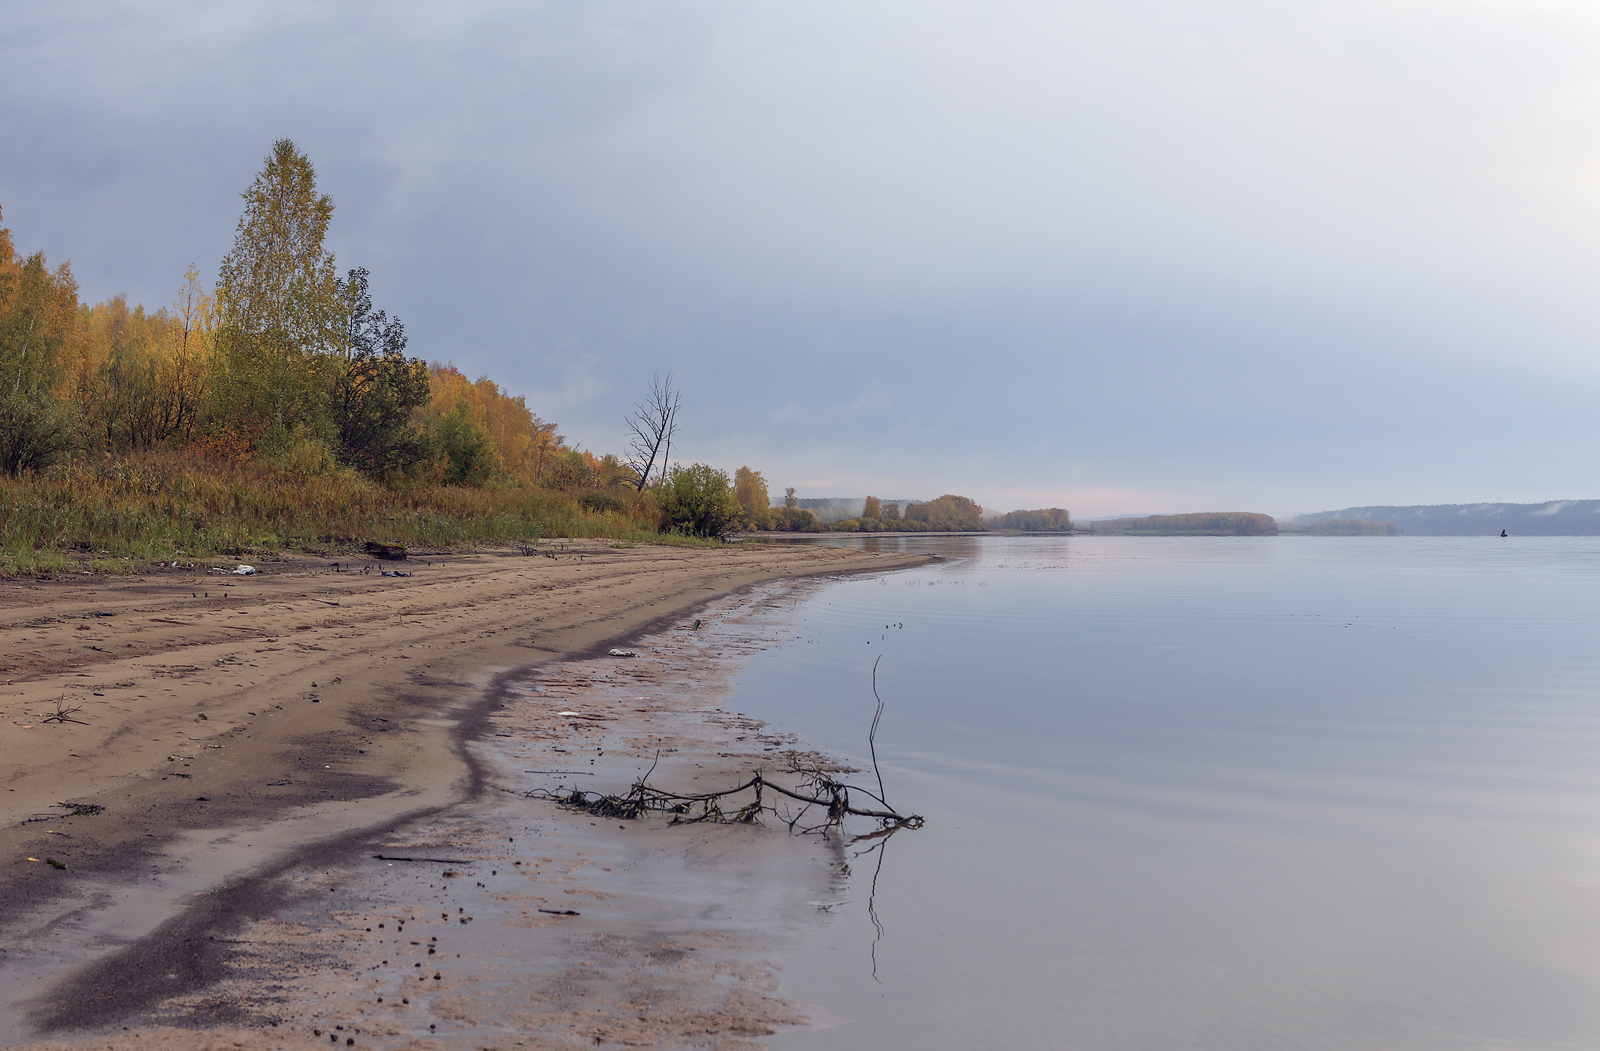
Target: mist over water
column 1212, row 793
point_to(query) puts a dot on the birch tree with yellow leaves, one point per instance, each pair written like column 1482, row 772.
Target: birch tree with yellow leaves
column 280, row 306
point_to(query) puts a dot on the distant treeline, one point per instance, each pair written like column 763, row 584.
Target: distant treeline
column 1215, row 523
column 1044, row 520
column 831, row 509
column 1346, row 527
column 949, row 513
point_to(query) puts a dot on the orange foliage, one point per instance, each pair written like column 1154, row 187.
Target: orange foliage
column 523, row 445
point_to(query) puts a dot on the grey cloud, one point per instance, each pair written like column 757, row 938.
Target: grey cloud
column 1250, row 251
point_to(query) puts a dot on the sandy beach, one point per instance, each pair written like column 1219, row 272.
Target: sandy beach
column 192, row 758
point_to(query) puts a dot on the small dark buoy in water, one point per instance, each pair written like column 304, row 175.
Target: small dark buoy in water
column 1502, row 532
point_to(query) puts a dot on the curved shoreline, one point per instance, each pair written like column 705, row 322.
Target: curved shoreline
column 597, row 596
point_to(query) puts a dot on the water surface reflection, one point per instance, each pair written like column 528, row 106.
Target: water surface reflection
column 1214, row 793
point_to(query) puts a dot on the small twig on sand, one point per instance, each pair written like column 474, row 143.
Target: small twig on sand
column 63, row 714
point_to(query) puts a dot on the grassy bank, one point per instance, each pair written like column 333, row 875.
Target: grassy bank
column 162, row 506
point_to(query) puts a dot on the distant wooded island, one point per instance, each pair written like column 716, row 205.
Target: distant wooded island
column 1210, row 523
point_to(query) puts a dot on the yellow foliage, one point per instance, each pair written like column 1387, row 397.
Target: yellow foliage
column 523, row 445
column 139, row 378
column 750, row 488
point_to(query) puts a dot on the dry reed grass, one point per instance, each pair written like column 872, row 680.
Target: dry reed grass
column 113, row 513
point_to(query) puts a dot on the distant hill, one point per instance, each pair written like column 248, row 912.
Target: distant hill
column 1556, row 518
column 1211, row 523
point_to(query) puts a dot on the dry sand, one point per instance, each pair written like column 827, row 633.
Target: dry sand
column 338, row 714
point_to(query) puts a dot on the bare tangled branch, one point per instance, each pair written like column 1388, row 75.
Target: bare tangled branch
column 809, row 785
column 818, row 790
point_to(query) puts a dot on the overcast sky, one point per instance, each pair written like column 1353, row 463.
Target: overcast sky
column 1114, row 255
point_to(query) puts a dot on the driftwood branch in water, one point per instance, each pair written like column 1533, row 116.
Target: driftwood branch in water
column 808, row 784
column 817, row 790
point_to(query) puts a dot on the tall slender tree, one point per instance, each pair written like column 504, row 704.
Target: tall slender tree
column 280, row 301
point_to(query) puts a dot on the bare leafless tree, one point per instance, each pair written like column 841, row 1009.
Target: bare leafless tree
column 651, row 426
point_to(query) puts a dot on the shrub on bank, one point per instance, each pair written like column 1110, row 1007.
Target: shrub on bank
column 698, row 500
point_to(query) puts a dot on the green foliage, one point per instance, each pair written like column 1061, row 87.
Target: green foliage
column 601, row 500
column 281, row 303
column 38, row 309
column 795, row 520
column 698, row 500
column 463, row 446
column 570, row 470
column 300, row 456
column 373, row 403
column 378, row 390
column 36, row 432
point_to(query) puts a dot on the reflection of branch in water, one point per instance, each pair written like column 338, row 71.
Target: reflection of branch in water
column 872, row 735
column 881, row 847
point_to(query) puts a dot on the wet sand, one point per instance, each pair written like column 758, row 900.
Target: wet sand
column 338, row 710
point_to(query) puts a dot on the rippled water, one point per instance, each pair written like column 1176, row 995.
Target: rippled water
column 1213, row 793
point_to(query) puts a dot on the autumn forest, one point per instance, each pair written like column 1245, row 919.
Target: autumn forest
column 282, row 407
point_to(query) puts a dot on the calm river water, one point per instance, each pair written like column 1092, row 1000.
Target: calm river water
column 1292, row 792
